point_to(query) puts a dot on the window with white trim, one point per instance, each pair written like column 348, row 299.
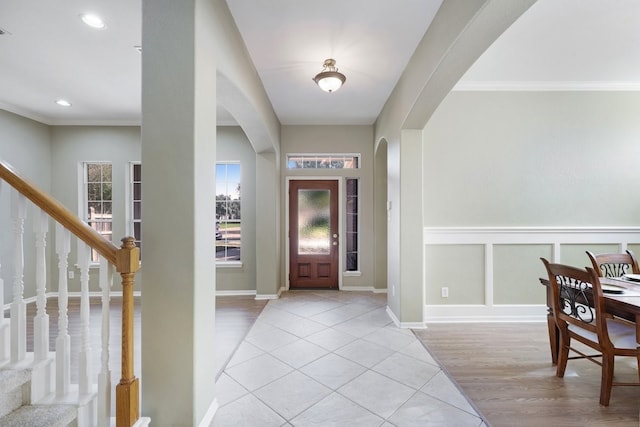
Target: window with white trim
column 135, row 203
column 323, row 161
column 228, row 216
column 351, row 211
column 97, row 207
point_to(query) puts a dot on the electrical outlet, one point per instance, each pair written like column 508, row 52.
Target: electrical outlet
column 71, row 274
column 444, row 292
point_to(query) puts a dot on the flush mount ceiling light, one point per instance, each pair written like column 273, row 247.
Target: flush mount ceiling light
column 329, row 79
column 63, row 103
column 93, row 20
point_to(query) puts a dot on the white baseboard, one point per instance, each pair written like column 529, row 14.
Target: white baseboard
column 207, row 420
column 260, row 297
column 357, row 288
column 404, row 325
column 484, row 313
column 93, row 294
column 234, row 293
column 380, row 291
column 33, row 299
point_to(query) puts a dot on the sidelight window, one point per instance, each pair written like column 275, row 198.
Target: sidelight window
column 352, row 209
column 135, row 203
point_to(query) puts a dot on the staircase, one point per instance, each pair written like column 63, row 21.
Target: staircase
column 16, row 408
column 35, row 387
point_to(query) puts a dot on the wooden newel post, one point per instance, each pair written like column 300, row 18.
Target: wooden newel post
column 127, row 391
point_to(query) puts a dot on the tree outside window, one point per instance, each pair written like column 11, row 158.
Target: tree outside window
column 98, row 200
column 228, row 211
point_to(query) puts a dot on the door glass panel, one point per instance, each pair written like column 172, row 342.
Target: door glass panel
column 314, row 237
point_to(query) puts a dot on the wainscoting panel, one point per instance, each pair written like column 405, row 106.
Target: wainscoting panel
column 491, row 273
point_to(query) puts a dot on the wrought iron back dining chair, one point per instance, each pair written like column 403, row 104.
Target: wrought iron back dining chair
column 579, row 313
column 614, row 264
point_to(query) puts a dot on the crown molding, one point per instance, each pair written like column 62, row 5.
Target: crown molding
column 546, row 86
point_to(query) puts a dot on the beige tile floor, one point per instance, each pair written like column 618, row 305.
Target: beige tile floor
column 335, row 359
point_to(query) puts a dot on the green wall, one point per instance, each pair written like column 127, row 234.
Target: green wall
column 533, row 159
column 51, row 156
column 24, row 144
column 71, row 147
column 233, row 145
column 336, row 139
column 526, row 159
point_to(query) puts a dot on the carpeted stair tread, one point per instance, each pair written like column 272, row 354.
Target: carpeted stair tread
column 40, row 416
column 12, row 383
column 11, row 378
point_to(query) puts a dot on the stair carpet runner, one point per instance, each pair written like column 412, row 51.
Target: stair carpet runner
column 15, row 407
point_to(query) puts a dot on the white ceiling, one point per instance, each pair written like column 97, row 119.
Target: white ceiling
column 48, row 53
column 565, row 44
column 372, row 42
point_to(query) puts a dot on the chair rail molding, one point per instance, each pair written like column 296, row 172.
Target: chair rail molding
column 530, row 235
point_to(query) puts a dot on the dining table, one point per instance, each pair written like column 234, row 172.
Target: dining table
column 621, row 297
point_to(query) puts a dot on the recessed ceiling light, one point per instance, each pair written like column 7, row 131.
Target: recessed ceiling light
column 92, row 20
column 63, row 103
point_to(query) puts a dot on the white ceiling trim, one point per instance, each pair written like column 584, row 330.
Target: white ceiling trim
column 65, row 122
column 24, row 113
column 539, row 86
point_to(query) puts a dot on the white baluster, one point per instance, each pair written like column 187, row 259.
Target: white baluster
column 104, row 378
column 63, row 341
column 84, row 374
column 41, row 321
column 4, row 325
column 18, row 306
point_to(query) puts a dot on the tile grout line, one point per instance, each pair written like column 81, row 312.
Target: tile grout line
column 395, row 350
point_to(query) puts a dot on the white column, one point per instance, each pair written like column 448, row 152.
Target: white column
column 18, row 306
column 411, row 226
column 104, row 378
column 179, row 155
column 84, row 365
column 267, row 225
column 41, row 321
column 63, row 341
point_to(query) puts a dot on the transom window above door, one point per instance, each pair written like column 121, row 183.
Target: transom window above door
column 323, row 161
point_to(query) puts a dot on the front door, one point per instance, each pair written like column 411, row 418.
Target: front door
column 313, row 234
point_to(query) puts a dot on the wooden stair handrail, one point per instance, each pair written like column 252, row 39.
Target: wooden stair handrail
column 60, row 213
column 127, row 262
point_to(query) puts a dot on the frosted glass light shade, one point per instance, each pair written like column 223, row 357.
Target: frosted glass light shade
column 329, row 80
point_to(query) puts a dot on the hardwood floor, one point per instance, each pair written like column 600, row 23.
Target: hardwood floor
column 234, row 317
column 506, row 371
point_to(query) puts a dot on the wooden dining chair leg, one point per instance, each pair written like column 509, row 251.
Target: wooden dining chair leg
column 563, row 354
column 607, row 379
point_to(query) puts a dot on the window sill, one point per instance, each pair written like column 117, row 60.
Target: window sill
column 351, row 274
column 229, row 264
